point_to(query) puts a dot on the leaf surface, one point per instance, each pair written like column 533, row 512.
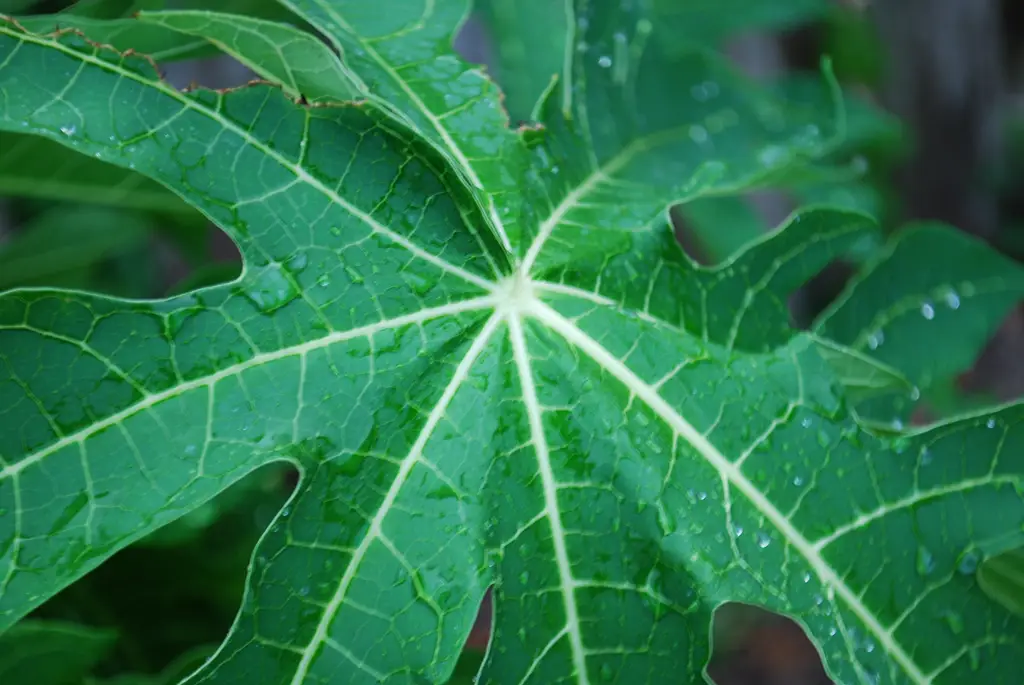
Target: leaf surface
column 573, row 412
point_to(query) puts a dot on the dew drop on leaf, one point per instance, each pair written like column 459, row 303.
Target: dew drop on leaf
column 270, row 289
column 991, row 423
column 763, row 539
column 737, row 529
column 69, row 130
column 698, row 134
column 925, row 561
column 928, row 311
column 604, row 61
column 952, row 300
column 968, row 563
column 298, row 262
column 798, row 481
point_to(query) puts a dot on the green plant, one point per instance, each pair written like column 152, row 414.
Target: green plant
column 493, row 364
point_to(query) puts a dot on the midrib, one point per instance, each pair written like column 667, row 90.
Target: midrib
column 547, row 316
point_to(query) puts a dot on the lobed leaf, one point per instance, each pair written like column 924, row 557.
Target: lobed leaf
column 561, row 406
column 956, row 305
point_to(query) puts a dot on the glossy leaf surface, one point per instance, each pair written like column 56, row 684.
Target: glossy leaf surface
column 494, row 366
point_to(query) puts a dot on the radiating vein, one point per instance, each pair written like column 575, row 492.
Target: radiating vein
column 567, row 583
column 435, row 122
column 154, row 399
column 732, row 474
column 374, row 532
column 303, row 175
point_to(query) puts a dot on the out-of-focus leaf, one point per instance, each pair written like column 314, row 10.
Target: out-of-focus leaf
column 15, row 6
column 1002, row 578
column 528, row 38
column 59, row 246
column 929, row 322
column 206, row 276
column 51, row 652
column 175, row 673
column 720, row 226
column 39, row 168
column 708, row 22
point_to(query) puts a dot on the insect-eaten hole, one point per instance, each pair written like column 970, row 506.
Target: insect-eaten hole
column 752, row 645
column 167, row 601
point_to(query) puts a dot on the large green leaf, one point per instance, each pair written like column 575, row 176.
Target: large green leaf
column 560, row 405
column 930, row 323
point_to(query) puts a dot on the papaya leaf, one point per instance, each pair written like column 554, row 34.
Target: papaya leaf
column 494, row 367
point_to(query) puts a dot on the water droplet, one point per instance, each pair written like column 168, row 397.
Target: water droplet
column 991, row 423
column 737, row 529
column 798, row 481
column 952, row 300
column 876, row 339
column 698, row 134
column 925, row 561
column 69, row 130
column 604, row 61
column 915, row 394
column 298, row 262
column 451, row 99
column 190, row 450
column 773, row 155
column 968, row 562
column 554, row 170
column 702, row 496
column 304, row 590
column 897, row 424
column 285, row 512
column 925, row 457
column 807, row 577
column 928, row 311
column 832, row 631
column 270, row 289
column 806, row 423
column 763, row 539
